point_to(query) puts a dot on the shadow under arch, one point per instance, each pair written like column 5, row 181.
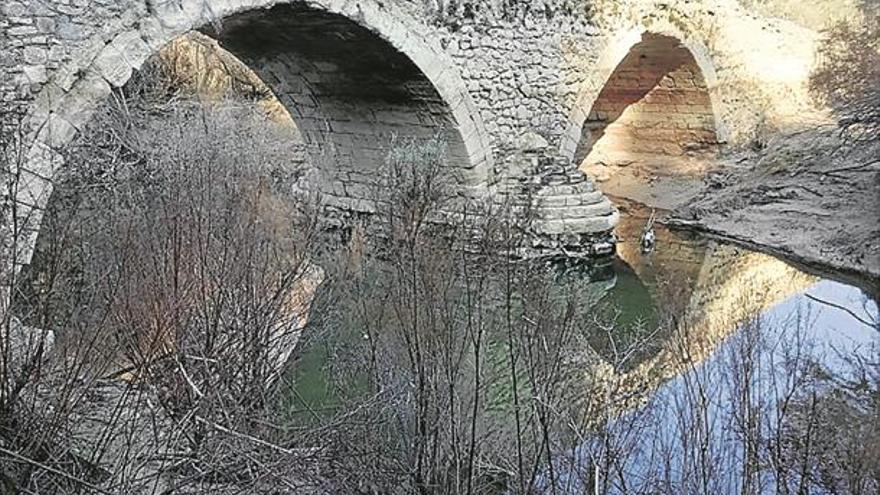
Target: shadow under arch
column 655, row 103
column 350, row 75
column 349, row 91
column 653, row 93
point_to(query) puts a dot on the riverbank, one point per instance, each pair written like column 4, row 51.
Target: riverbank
column 804, row 198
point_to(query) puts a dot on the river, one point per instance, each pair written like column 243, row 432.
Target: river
column 698, row 412
column 715, row 416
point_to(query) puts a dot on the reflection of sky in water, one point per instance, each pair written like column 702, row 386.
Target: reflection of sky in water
column 835, row 328
column 829, row 335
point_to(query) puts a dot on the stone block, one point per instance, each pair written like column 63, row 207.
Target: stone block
column 587, row 212
column 180, row 17
column 69, row 30
column 35, row 55
column 14, row 9
column 34, row 189
column 26, row 345
column 557, row 201
column 80, row 103
column 591, row 225
column 154, row 33
column 593, row 197
column 35, row 74
column 45, row 24
column 71, row 72
column 134, row 50
column 550, row 227
column 20, row 30
column 112, row 66
column 56, row 132
column 44, row 103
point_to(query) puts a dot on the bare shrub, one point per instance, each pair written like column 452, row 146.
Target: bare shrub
column 456, row 365
column 174, row 257
column 177, row 271
column 830, row 441
column 848, row 75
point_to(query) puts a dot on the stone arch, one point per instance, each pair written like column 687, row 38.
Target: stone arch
column 635, row 67
column 425, row 90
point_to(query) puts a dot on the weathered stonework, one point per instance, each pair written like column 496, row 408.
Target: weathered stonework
column 656, row 103
column 354, row 74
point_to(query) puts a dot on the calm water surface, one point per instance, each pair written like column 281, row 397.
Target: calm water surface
column 802, row 320
column 714, row 284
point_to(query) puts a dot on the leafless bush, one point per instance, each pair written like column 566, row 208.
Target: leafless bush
column 456, row 364
column 174, row 257
column 830, row 440
column 176, row 269
column 848, row 75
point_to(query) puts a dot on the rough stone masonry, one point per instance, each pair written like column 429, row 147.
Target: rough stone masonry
column 512, row 84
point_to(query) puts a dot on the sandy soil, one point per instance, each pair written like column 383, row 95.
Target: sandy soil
column 652, row 181
column 801, row 198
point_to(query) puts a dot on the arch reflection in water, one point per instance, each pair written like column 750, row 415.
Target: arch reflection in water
column 754, row 332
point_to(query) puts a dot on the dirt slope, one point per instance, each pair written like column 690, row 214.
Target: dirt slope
column 803, row 198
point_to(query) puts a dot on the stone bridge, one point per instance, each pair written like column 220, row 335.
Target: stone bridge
column 523, row 90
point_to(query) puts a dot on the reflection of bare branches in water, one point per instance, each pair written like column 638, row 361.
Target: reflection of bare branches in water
column 865, row 301
column 767, row 413
column 460, row 370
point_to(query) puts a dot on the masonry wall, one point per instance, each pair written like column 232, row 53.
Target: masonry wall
column 38, row 37
column 655, row 102
column 525, row 75
column 352, row 82
column 511, row 76
column 350, row 93
column 528, row 66
column 522, row 68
